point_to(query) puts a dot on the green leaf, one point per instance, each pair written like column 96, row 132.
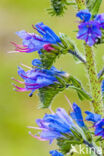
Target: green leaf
column 48, row 58
column 47, row 94
column 76, row 85
column 70, row 47
column 58, row 7
column 77, row 135
column 93, row 6
column 64, row 145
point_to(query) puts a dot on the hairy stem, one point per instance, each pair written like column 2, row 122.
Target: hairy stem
column 81, row 4
column 77, row 56
column 94, row 82
column 91, row 146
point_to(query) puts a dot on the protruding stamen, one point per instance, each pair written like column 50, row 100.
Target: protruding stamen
column 10, row 52
column 18, row 80
column 26, row 66
column 51, row 110
column 68, row 102
column 37, row 137
column 37, row 128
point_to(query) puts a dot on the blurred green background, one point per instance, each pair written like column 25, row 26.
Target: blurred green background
column 17, row 110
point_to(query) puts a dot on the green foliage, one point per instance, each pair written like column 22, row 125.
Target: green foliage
column 74, row 138
column 59, row 6
column 48, row 58
column 71, row 48
column 47, row 94
column 76, row 85
column 64, row 145
column 93, row 6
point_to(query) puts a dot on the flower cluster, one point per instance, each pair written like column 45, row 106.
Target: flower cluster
column 61, row 125
column 90, row 27
column 37, row 77
column 58, row 125
column 66, row 129
column 34, row 42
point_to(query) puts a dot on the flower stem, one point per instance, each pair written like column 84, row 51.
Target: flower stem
column 77, row 56
column 92, row 147
column 94, row 82
column 81, row 4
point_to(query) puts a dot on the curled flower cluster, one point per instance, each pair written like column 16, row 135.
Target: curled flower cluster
column 90, row 27
column 56, row 125
column 60, row 125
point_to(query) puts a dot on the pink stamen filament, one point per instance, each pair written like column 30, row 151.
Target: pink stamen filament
column 68, row 102
column 18, row 81
column 37, row 137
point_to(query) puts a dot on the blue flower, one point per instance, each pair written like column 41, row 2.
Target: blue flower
column 90, row 32
column 77, row 115
column 55, row 125
column 84, row 15
column 100, row 19
column 56, row 153
column 93, row 117
column 99, row 128
column 33, row 42
column 35, row 79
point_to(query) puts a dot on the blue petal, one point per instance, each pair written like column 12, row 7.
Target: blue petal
column 56, row 153
column 50, row 135
column 36, row 62
column 92, row 117
column 84, row 15
column 22, row 34
column 77, row 115
column 47, row 33
column 21, row 73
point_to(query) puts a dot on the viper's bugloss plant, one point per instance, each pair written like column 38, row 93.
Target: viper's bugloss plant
column 68, row 129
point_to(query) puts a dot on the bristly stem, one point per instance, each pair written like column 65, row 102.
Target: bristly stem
column 81, row 4
column 77, row 56
column 92, row 148
column 94, row 82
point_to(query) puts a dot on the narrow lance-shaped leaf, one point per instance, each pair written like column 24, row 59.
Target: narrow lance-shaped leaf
column 93, row 6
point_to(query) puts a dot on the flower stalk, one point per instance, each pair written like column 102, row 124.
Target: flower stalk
column 92, row 73
column 81, row 4
column 94, row 82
